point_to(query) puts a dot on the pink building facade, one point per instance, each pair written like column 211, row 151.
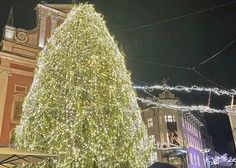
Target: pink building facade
column 19, row 49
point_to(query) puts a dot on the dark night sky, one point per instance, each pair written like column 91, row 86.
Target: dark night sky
column 185, row 42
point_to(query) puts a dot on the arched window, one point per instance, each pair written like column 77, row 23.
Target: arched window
column 17, row 108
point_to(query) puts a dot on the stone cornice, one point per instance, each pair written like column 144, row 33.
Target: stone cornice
column 21, row 72
column 56, row 11
column 18, row 59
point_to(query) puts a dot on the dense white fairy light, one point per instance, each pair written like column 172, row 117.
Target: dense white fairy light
column 81, row 105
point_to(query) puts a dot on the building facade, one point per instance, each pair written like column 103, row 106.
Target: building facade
column 176, row 134
column 232, row 119
column 193, row 140
column 19, row 49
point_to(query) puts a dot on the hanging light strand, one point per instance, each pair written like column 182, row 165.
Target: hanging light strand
column 218, row 159
column 202, row 109
column 214, row 90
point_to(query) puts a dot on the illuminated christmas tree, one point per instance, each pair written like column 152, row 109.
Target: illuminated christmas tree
column 81, row 105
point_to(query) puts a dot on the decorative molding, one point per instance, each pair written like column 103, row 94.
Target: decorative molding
column 21, row 37
column 54, row 18
column 20, row 89
column 43, row 14
column 17, row 59
column 27, row 31
column 21, row 72
column 5, row 73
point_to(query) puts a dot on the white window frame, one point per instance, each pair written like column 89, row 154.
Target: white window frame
column 24, row 88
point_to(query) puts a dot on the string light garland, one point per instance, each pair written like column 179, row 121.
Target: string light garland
column 166, row 146
column 219, row 159
column 81, row 105
column 203, row 109
column 216, row 91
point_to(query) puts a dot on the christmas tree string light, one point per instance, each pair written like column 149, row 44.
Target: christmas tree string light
column 81, row 105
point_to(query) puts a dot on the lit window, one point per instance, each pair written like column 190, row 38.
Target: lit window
column 153, row 139
column 165, row 118
column 150, row 122
column 169, row 118
column 173, row 118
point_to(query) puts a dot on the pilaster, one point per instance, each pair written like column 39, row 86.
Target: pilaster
column 4, row 75
column 42, row 29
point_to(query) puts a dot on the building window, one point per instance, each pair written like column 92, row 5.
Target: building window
column 153, row 139
column 16, row 108
column 169, row 118
column 172, row 133
column 20, row 89
column 150, row 122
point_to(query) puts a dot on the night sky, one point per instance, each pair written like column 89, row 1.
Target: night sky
column 176, row 33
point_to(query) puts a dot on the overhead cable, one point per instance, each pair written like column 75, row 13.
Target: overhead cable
column 176, row 18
